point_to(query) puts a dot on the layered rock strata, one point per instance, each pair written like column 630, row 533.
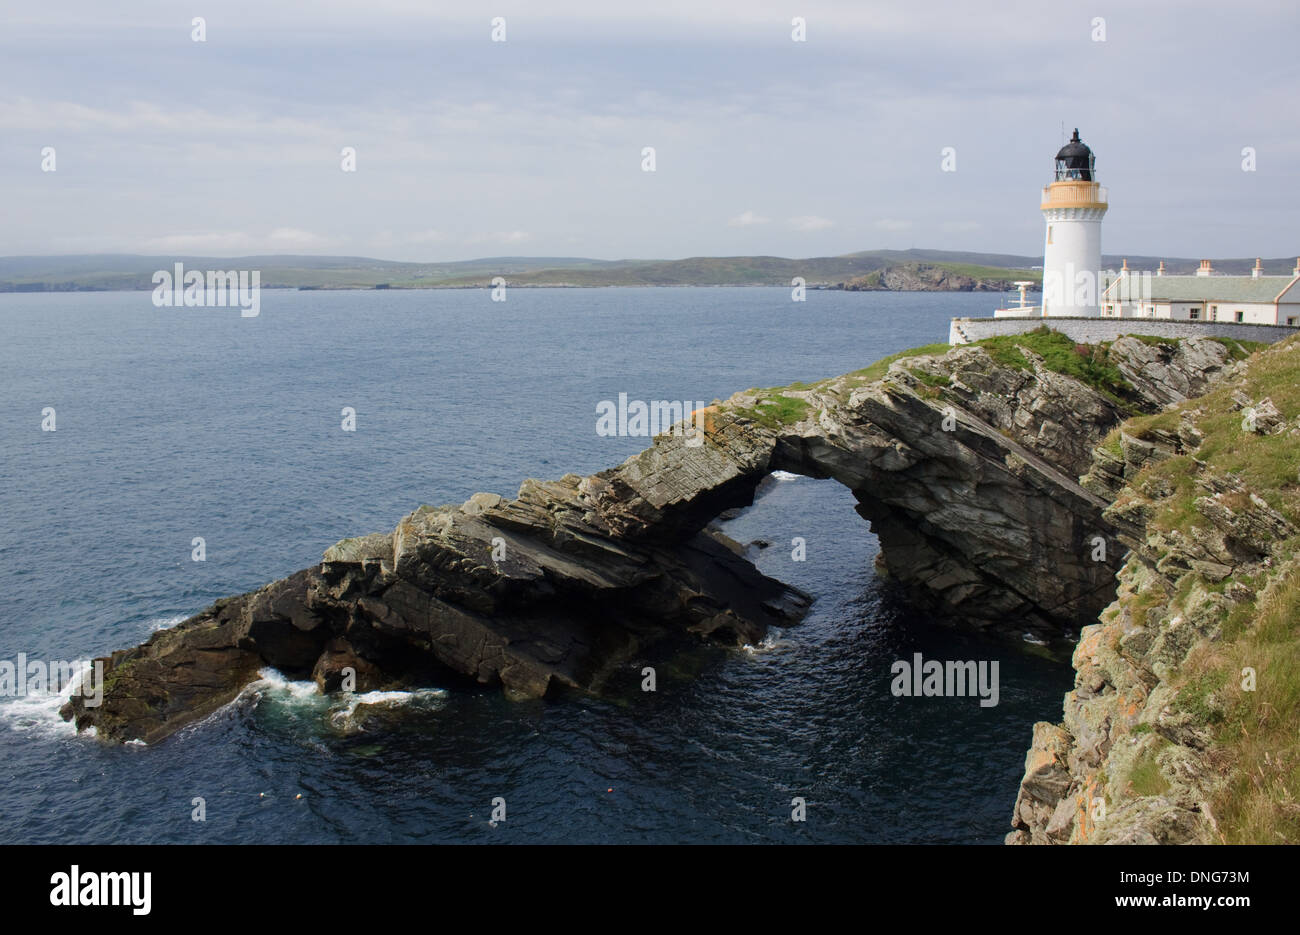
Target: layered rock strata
column 1133, row 760
column 964, row 467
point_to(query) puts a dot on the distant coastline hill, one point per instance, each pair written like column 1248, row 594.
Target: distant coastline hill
column 877, row 270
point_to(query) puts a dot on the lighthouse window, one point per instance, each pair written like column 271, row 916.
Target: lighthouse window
column 1049, row 233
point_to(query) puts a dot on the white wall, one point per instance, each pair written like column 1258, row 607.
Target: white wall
column 1140, row 310
column 1252, row 313
column 1029, row 311
column 1071, row 261
column 1094, row 330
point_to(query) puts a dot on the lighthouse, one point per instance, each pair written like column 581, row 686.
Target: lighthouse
column 1073, row 206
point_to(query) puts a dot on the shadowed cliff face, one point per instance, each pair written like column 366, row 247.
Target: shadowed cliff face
column 965, row 469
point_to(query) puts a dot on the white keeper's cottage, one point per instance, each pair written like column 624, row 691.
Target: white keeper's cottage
column 1206, row 296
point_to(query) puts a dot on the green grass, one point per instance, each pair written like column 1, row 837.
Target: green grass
column 1240, row 350
column 1196, row 692
column 776, row 411
column 1147, row 427
column 1141, row 604
column 881, row 367
column 1266, row 464
column 1253, row 734
column 1254, row 731
column 1090, row 364
column 1112, row 444
column 975, row 271
column 867, row 282
column 1087, row 363
column 930, row 379
column 1145, row 777
column 997, row 276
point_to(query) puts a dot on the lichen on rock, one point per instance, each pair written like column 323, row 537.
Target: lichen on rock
column 1159, row 735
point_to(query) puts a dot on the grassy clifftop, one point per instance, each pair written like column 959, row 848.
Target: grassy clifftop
column 1094, row 365
column 1184, row 723
column 1220, row 495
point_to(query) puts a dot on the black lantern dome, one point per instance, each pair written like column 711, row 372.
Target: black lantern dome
column 1075, row 161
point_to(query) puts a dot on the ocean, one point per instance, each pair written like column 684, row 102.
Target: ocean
column 176, row 424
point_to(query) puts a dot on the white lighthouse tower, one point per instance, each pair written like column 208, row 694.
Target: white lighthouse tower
column 1073, row 207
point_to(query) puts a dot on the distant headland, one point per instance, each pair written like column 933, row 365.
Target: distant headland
column 915, row 270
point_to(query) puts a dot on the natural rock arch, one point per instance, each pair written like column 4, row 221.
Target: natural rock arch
column 965, row 468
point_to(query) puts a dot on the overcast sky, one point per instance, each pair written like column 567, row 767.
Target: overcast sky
column 468, row 147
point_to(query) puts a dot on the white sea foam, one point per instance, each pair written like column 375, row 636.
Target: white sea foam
column 395, row 698
column 165, row 623
column 342, row 707
column 342, row 717
column 785, row 475
column 767, row 644
column 272, row 681
column 398, row 697
column 37, row 714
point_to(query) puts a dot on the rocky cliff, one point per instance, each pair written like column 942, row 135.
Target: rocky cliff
column 964, row 461
column 922, row 277
column 1181, row 726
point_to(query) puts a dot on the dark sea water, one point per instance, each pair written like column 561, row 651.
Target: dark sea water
column 175, row 423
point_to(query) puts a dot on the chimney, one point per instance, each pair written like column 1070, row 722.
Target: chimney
column 1124, row 268
column 1296, row 271
column 1206, row 269
column 1259, row 268
column 1161, row 270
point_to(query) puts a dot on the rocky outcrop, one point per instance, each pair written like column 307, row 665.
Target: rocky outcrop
column 921, row 277
column 1133, row 760
column 965, row 468
column 1168, row 372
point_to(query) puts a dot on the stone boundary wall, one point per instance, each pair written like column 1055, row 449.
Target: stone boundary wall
column 1096, row 330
